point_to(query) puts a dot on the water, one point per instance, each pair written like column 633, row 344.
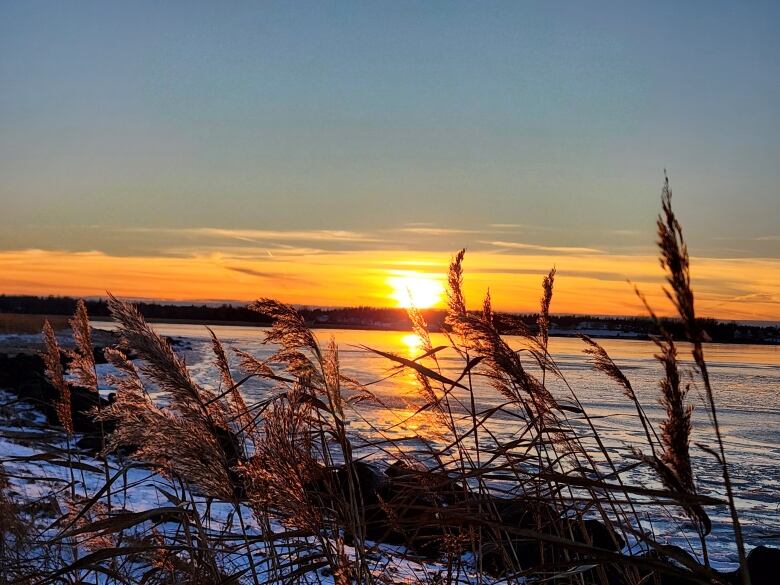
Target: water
column 746, row 380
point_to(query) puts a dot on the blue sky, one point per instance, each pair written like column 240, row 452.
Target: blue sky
column 557, row 118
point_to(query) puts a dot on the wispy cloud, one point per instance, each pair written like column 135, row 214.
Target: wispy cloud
column 436, row 231
column 542, row 248
column 273, row 276
column 255, row 235
column 521, row 226
column 626, row 232
column 273, row 251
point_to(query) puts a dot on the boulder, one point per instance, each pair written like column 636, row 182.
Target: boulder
column 24, row 376
column 763, row 566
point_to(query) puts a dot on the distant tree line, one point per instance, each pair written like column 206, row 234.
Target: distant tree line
column 393, row 318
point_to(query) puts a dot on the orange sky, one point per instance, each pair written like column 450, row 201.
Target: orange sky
column 593, row 283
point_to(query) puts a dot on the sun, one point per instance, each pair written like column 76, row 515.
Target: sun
column 413, row 289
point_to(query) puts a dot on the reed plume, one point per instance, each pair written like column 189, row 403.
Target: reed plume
column 543, row 321
column 175, row 442
column 675, row 261
column 231, row 388
column 332, row 378
column 676, row 427
column 250, row 365
column 82, row 363
column 487, row 308
column 420, row 329
column 285, row 463
column 191, row 438
column 456, row 302
column 602, row 362
column 479, row 337
column 299, row 351
column 55, row 374
column 160, row 362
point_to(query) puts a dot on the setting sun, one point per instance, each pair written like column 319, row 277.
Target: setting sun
column 415, row 290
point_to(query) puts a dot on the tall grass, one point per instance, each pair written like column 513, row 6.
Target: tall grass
column 279, row 490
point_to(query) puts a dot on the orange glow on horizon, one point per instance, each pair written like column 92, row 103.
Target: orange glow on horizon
column 592, row 284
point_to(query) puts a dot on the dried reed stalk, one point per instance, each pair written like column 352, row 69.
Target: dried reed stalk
column 55, row 374
column 675, row 261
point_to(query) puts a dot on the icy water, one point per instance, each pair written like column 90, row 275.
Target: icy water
column 746, row 379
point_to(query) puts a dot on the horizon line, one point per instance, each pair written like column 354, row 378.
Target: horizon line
column 238, row 304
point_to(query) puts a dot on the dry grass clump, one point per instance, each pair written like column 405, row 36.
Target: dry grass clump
column 189, row 437
column 300, row 503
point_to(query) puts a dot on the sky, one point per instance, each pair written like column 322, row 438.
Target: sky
column 337, row 153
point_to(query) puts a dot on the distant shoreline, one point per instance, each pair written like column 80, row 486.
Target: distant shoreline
column 604, row 334
column 348, row 327
column 25, row 313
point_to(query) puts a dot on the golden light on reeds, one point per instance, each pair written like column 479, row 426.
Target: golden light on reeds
column 414, row 289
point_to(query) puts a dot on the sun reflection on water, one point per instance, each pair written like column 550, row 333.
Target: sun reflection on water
column 413, row 344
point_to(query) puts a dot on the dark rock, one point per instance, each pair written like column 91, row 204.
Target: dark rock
column 597, row 534
column 763, row 566
column 504, row 552
column 24, row 376
column 420, row 507
column 231, row 446
column 359, row 482
column 99, row 356
column 677, row 560
column 91, row 443
column 397, row 507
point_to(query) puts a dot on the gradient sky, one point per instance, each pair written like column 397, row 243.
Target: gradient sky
column 313, row 151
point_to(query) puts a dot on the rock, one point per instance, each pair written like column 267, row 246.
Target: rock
column 360, row 482
column 504, row 552
column 24, row 376
column 507, row 553
column 234, row 457
column 763, row 566
column 420, row 507
column 675, row 558
column 398, row 507
column 599, row 535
